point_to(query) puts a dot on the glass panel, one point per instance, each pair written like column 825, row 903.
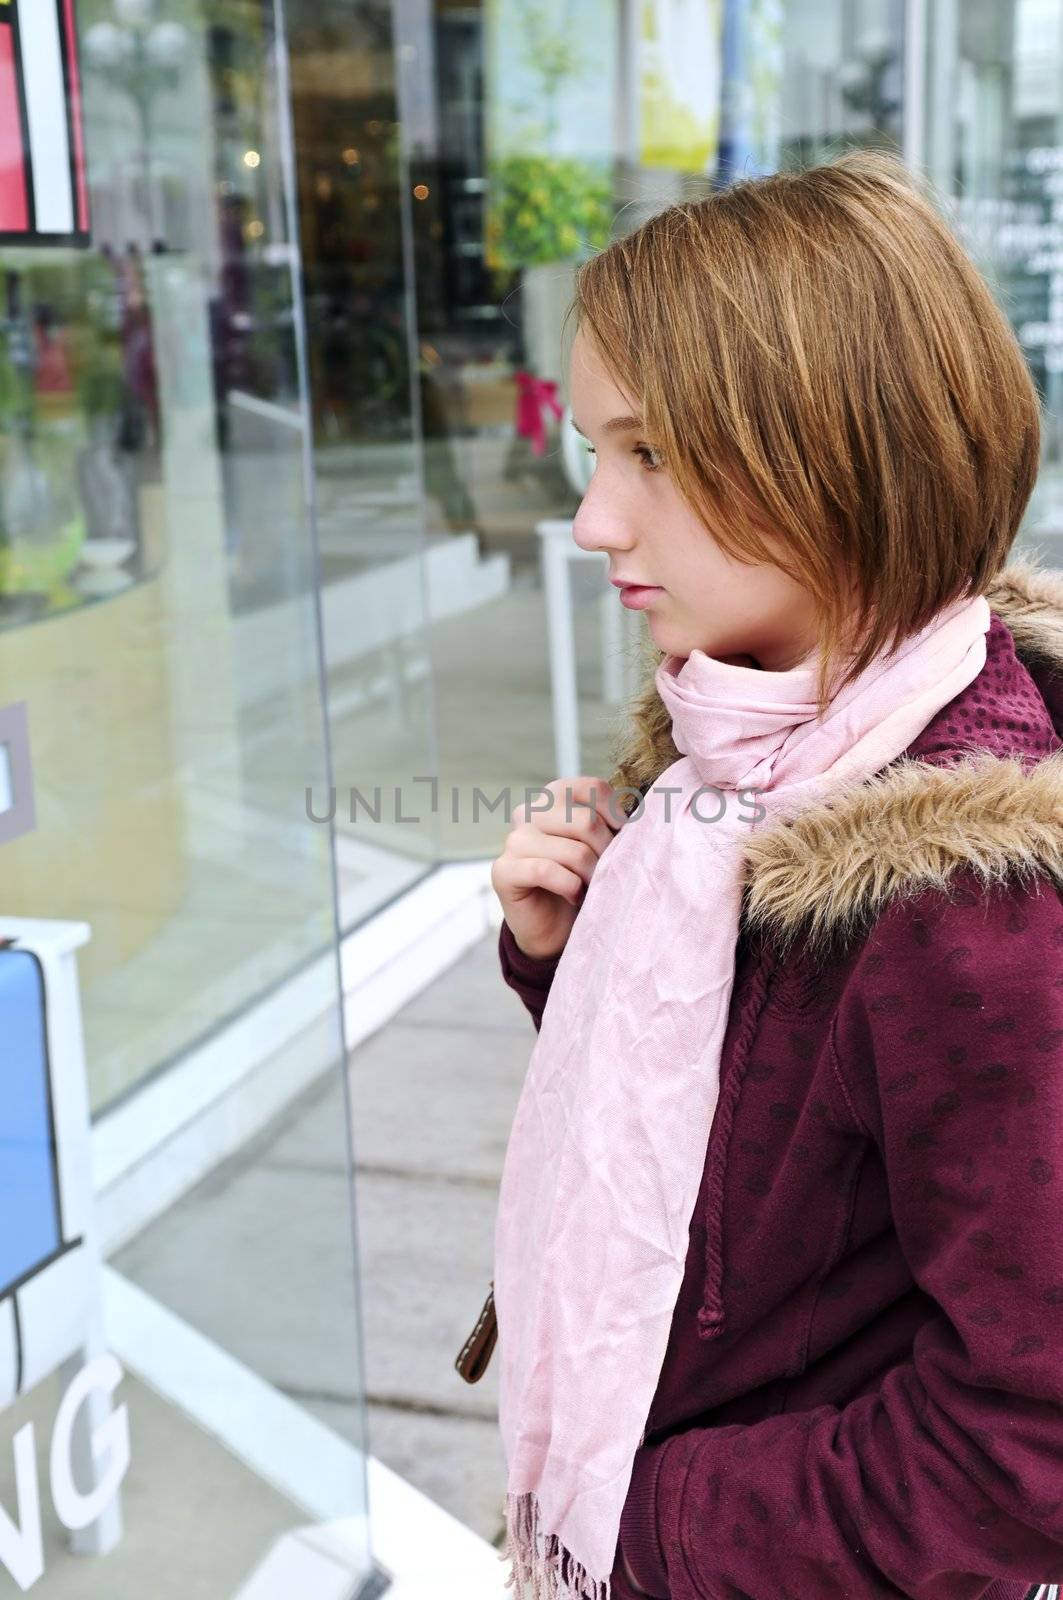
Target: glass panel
column 381, row 574
column 995, row 152
column 152, row 482
column 841, row 83
column 158, row 623
column 536, row 131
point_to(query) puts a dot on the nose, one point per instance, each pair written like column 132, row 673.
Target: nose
column 599, row 524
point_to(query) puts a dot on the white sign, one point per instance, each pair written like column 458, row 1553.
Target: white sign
column 22, row 1541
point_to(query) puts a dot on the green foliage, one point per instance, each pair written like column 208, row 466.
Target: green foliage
column 546, row 208
column 99, row 377
column 29, row 567
column 16, row 394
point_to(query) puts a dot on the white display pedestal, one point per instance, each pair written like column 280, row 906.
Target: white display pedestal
column 51, row 1317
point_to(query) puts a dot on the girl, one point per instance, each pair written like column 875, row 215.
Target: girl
column 779, row 1254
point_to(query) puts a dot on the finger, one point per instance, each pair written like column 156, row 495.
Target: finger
column 579, row 855
column 538, row 872
column 595, row 817
column 594, row 792
column 531, row 838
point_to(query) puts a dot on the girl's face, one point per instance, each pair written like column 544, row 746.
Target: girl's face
column 748, row 615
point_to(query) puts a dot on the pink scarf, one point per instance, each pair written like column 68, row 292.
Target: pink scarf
column 608, row 1142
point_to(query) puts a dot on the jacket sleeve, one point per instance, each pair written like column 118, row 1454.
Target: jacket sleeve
column 529, row 976
column 946, row 1483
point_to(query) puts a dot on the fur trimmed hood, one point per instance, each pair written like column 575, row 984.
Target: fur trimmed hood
column 913, row 826
column 910, row 828
column 830, row 870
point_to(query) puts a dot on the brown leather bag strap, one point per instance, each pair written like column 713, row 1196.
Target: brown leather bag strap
column 475, row 1353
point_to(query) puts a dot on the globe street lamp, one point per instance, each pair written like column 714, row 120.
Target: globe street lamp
column 140, row 56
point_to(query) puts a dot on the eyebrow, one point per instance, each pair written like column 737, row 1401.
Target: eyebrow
column 614, row 425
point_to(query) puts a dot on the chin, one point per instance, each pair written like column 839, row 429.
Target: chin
column 667, row 639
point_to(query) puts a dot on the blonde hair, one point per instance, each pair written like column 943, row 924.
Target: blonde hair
column 834, row 390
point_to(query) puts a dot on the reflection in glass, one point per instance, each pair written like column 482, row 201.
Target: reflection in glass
column 158, row 617
column 995, row 153
column 533, row 133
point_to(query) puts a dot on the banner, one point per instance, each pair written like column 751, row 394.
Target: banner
column 680, row 47
column 43, row 187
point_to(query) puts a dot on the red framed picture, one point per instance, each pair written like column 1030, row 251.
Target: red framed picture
column 43, row 188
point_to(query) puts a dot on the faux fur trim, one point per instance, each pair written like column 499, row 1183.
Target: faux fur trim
column 832, row 868
column 1029, row 598
column 914, row 826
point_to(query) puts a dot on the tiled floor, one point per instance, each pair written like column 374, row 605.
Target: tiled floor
column 433, row 1095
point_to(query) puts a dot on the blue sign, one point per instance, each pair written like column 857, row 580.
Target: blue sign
column 30, row 1223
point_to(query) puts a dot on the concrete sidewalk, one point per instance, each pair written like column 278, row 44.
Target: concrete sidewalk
column 433, row 1095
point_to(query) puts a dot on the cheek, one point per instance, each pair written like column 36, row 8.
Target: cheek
column 779, row 598
column 685, row 544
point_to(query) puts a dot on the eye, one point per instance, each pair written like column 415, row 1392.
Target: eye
column 651, row 459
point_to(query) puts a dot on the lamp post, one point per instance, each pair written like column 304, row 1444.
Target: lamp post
column 140, row 56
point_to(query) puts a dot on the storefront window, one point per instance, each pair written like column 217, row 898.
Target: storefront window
column 994, row 151
column 156, row 592
column 159, row 640
column 290, row 616
column 383, row 573
column 533, row 134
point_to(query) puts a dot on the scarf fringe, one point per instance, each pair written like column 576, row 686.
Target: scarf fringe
column 541, row 1561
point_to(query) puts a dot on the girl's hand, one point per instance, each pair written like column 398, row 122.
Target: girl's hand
column 549, row 859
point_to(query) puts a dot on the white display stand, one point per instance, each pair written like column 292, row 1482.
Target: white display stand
column 51, row 1318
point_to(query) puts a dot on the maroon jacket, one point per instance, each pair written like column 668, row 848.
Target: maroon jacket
column 862, row 1393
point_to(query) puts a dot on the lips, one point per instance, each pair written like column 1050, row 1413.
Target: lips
column 638, row 596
